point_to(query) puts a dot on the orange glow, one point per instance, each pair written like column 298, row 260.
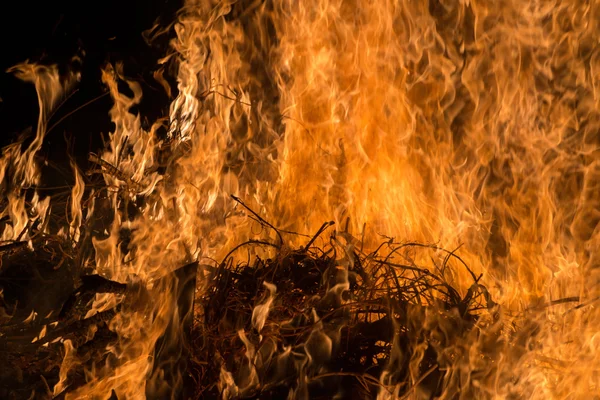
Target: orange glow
column 471, row 125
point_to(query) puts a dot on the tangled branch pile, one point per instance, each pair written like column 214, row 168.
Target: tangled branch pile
column 320, row 321
column 335, row 322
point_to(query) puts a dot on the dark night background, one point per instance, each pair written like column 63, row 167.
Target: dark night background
column 52, row 32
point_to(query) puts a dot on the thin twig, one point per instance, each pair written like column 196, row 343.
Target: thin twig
column 261, row 242
column 75, row 110
column 321, row 230
column 261, row 219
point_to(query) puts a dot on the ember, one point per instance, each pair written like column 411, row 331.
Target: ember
column 453, row 146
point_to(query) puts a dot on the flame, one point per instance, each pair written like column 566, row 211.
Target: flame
column 76, row 212
column 50, row 88
column 465, row 124
column 468, row 124
column 261, row 311
column 18, row 168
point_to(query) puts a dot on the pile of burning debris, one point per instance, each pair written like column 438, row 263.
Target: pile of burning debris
column 446, row 122
column 333, row 321
column 319, row 321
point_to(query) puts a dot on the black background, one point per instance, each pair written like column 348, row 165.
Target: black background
column 52, row 32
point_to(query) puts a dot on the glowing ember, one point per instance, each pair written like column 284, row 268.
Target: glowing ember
column 416, row 127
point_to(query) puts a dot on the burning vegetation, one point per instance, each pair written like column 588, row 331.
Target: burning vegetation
column 453, row 146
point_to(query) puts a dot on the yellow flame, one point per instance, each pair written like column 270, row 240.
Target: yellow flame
column 468, row 123
column 50, row 88
column 458, row 123
column 76, row 197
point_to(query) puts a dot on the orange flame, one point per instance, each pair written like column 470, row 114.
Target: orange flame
column 467, row 124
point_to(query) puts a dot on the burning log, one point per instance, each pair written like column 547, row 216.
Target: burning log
column 36, row 355
column 34, row 283
column 91, row 285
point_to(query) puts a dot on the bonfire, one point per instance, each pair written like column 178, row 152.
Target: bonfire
column 338, row 200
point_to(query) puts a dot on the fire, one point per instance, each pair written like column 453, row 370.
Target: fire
column 470, row 125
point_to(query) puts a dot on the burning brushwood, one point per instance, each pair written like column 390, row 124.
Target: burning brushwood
column 309, row 323
column 90, row 287
column 90, row 336
column 472, row 125
column 107, row 168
